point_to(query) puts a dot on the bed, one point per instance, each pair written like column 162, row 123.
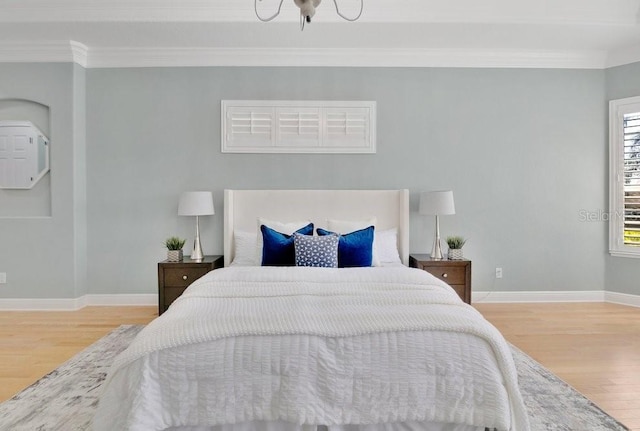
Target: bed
column 312, row 349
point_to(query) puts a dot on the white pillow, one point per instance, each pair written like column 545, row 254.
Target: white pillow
column 347, row 226
column 286, row 228
column 244, row 248
column 386, row 243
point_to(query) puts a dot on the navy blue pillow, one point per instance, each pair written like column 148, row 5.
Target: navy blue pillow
column 278, row 248
column 355, row 248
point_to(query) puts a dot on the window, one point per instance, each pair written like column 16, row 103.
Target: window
column 277, row 126
column 624, row 181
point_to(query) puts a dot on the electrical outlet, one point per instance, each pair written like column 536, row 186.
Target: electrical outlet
column 498, row 272
column 3, row 277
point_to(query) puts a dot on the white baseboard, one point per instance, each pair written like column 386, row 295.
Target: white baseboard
column 123, row 299
column 622, row 298
column 72, row 304
column 542, row 296
column 48, row 304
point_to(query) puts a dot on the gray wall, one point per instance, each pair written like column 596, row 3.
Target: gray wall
column 523, row 150
column 39, row 253
column 623, row 273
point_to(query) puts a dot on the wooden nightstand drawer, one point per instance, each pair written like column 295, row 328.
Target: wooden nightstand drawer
column 172, row 293
column 182, row 277
column 460, row 290
column 456, row 273
column 175, row 277
column 448, row 274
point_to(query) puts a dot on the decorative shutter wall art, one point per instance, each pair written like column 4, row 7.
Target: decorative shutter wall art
column 24, row 155
column 285, row 126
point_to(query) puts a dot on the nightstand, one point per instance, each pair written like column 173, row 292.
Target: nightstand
column 456, row 273
column 175, row 277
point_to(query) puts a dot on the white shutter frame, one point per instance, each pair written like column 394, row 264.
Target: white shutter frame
column 617, row 110
column 300, row 126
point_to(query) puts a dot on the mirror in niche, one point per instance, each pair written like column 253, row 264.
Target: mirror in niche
column 24, row 155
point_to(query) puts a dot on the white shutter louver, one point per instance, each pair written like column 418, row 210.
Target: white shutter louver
column 249, row 126
column 298, row 127
column 349, row 127
column 273, row 126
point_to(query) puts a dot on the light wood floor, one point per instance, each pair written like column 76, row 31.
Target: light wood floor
column 593, row 347
column 34, row 343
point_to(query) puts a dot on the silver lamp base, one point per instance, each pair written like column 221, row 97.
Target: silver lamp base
column 436, row 250
column 197, row 255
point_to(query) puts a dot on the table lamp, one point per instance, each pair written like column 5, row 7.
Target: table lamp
column 437, row 203
column 196, row 204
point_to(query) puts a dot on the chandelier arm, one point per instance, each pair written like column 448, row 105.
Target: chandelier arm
column 335, row 2
column 255, row 6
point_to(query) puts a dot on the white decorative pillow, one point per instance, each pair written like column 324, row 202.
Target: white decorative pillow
column 286, row 228
column 348, row 226
column 244, row 248
column 386, row 244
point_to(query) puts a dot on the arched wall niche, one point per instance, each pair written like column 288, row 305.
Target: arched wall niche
column 35, row 201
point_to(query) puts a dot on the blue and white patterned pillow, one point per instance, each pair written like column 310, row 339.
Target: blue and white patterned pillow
column 318, row 251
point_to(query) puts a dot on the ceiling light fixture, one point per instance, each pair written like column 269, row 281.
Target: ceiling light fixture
column 307, row 11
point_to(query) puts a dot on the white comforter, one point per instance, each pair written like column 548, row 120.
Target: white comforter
column 314, row 346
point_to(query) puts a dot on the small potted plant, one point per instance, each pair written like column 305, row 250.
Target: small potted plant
column 174, row 246
column 455, row 247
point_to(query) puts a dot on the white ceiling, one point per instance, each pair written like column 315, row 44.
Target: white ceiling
column 459, row 33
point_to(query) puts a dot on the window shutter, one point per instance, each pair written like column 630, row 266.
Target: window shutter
column 348, row 127
column 276, row 126
column 249, row 126
column 631, row 175
column 624, row 177
column 298, row 127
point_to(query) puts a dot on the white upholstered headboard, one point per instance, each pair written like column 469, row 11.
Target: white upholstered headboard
column 243, row 207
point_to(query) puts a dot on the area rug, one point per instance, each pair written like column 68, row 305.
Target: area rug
column 66, row 398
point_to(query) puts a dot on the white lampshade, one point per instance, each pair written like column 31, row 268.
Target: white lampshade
column 196, row 204
column 437, row 203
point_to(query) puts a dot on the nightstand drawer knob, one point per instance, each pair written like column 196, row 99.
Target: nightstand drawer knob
column 184, row 277
column 445, row 275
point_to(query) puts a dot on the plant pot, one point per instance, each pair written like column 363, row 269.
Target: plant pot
column 174, row 255
column 455, row 254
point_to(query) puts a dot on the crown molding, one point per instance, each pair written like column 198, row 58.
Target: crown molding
column 622, row 56
column 80, row 53
column 44, row 52
column 325, row 57
column 105, row 57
